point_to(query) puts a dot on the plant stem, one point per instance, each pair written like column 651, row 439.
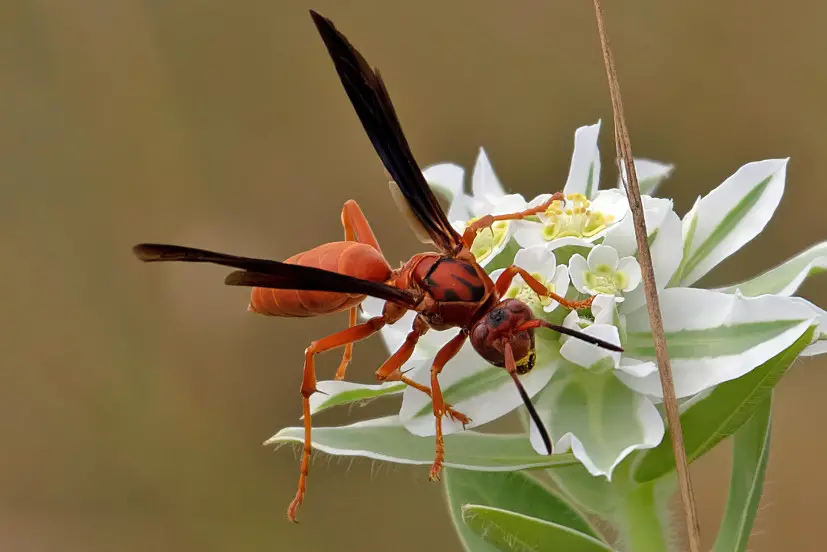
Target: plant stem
column 624, row 154
column 641, row 523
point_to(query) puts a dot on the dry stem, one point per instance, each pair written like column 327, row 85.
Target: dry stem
column 624, row 153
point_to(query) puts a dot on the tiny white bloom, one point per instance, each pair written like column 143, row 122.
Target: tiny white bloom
column 580, row 217
column 604, row 272
column 542, row 265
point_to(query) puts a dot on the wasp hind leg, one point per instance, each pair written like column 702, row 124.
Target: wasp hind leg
column 357, row 229
column 348, row 336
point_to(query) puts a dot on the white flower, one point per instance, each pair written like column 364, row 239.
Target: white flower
column 580, row 217
column 604, row 272
column 542, row 264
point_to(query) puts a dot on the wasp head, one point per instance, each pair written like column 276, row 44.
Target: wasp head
column 498, row 326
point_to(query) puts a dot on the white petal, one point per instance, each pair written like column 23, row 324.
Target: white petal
column 788, row 276
column 622, row 235
column 629, row 267
column 587, row 355
column 510, row 203
column 445, row 176
column 529, row 234
column 561, row 285
column 473, row 387
column 612, row 203
column 731, row 215
column 714, row 337
column 584, row 172
column 596, row 416
column 637, row 368
column 484, row 182
column 649, row 175
column 667, row 251
column 603, row 255
column 604, row 308
column 536, row 259
column 577, row 267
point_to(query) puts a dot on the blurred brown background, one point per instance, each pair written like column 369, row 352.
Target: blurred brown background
column 135, row 398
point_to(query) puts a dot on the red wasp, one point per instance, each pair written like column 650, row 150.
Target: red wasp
column 447, row 289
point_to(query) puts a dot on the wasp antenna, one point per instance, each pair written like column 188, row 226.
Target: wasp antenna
column 533, row 413
column 537, row 323
column 511, row 368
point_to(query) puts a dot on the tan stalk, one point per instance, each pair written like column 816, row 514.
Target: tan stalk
column 624, row 154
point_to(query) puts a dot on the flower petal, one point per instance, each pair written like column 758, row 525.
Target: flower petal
column 603, row 255
column 485, row 185
column 335, row 393
column 622, row 235
column 591, row 356
column 714, row 337
column 584, row 172
column 529, row 233
column 598, row 417
column 536, row 259
column 730, row 216
column 786, row 277
column 386, row 439
column 578, row 266
column 448, row 178
column 473, row 387
column 649, row 175
column 630, row 267
column 637, row 368
column 561, row 285
column 667, row 252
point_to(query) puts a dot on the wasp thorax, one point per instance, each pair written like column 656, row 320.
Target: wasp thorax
column 489, row 335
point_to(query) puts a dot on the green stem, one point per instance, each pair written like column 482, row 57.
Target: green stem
column 641, row 521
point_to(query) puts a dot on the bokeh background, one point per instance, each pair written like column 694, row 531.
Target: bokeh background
column 134, row 399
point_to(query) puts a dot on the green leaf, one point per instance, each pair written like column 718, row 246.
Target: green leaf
column 751, row 451
column 710, row 420
column 514, row 491
column 386, row 439
column 511, row 531
column 336, row 393
column 785, row 278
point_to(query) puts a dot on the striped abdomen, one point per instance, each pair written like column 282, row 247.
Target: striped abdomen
column 351, row 258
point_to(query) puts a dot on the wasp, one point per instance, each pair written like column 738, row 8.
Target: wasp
column 447, row 288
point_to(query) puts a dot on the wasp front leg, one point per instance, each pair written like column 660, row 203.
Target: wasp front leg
column 507, row 276
column 487, row 221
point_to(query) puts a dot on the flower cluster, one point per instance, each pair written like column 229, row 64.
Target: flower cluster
column 600, row 405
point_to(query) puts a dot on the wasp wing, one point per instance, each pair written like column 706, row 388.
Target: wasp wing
column 274, row 274
column 370, row 99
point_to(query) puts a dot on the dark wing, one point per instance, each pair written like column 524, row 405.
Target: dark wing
column 370, row 98
column 273, row 274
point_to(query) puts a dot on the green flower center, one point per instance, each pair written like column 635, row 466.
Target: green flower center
column 576, row 219
column 527, row 295
column 489, row 239
column 604, row 279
